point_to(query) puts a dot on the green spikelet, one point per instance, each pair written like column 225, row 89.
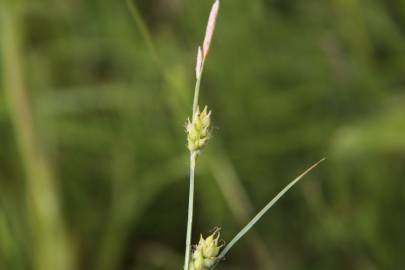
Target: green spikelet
column 198, row 130
column 206, row 252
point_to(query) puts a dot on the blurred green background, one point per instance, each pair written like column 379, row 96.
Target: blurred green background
column 93, row 100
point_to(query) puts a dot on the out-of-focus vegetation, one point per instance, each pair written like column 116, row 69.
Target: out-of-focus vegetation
column 93, row 163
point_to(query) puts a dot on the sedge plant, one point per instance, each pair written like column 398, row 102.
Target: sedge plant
column 211, row 250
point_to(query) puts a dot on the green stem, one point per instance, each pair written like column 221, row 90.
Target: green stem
column 187, row 254
column 197, row 91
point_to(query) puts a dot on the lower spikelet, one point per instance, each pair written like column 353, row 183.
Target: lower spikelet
column 205, row 255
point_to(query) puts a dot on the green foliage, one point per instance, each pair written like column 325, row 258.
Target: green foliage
column 290, row 81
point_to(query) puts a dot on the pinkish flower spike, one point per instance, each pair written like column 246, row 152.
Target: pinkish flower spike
column 210, row 28
column 198, row 66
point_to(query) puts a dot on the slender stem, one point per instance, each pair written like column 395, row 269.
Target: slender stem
column 197, row 89
column 193, row 156
column 264, row 210
column 196, row 93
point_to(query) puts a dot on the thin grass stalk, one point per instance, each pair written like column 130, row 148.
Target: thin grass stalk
column 190, row 211
column 197, row 92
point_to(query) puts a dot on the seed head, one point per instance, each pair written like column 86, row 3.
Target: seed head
column 206, row 252
column 198, row 130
